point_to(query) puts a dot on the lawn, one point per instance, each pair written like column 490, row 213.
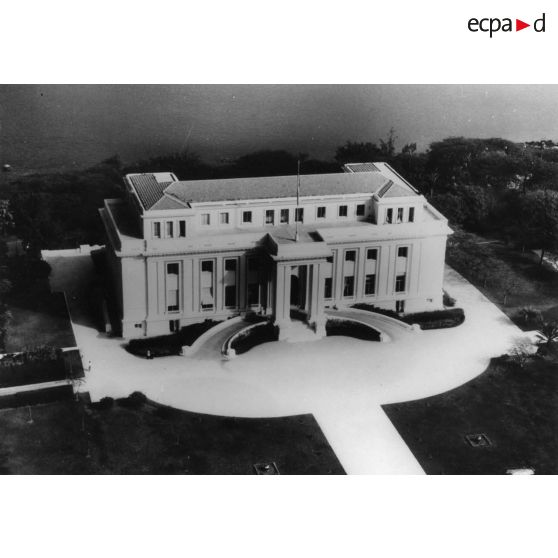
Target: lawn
column 511, row 279
column 516, row 408
column 39, row 320
column 72, row 437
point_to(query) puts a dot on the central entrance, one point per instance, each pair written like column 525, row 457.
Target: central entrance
column 299, row 291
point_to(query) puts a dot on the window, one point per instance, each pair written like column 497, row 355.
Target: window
column 400, row 306
column 246, row 216
column 399, row 214
column 372, row 254
column 224, row 218
column 174, row 325
column 230, row 283
column 181, row 229
column 299, row 214
column 349, row 286
column 350, row 256
column 328, row 287
column 253, row 294
column 342, row 211
column 230, row 296
column 269, row 217
column 207, row 302
column 173, row 270
column 321, row 212
column 389, row 215
column 205, row 219
column 411, row 214
column 370, row 285
column 400, row 283
column 360, row 209
column 156, row 230
column 170, row 229
column 402, row 251
column 284, row 216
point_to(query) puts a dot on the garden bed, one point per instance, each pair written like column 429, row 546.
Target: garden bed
column 167, row 345
column 256, row 335
column 349, row 328
column 437, row 319
column 35, row 367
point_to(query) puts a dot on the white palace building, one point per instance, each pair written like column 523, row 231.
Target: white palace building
column 185, row 251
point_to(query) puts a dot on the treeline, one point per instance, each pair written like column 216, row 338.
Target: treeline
column 490, row 186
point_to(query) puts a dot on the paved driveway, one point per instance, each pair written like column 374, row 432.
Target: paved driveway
column 342, row 381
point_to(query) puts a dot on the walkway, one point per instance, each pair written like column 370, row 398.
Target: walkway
column 342, row 381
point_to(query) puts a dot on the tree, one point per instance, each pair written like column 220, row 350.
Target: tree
column 541, row 220
column 358, row 152
column 387, row 147
column 549, row 331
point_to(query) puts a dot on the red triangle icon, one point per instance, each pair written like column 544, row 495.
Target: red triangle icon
column 519, row 25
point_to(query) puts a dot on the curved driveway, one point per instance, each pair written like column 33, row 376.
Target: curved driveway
column 342, row 381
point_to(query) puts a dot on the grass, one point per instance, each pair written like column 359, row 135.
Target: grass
column 531, row 284
column 39, row 320
column 517, row 408
column 264, row 333
column 71, row 437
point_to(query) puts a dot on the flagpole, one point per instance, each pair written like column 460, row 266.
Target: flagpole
column 297, row 199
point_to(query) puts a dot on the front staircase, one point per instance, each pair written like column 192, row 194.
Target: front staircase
column 296, row 331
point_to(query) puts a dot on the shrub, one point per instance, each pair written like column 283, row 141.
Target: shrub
column 135, row 400
column 166, row 345
column 255, row 336
column 106, row 403
column 351, row 329
column 528, row 317
column 448, row 300
column 437, row 319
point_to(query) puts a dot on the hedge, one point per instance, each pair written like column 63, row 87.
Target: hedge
column 165, row 345
column 349, row 328
column 438, row 319
column 256, row 336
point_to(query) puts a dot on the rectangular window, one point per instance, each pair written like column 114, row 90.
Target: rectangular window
column 400, row 215
column 206, row 219
column 207, row 289
column 246, row 216
column 349, row 286
column 370, row 285
column 181, row 229
column 156, row 230
column 328, row 287
column 389, row 215
column 360, row 209
column 402, row 252
column 269, row 217
column 372, row 254
column 411, row 214
column 174, row 325
column 170, row 229
column 224, row 218
column 230, row 281
column 400, row 281
column 173, row 270
column 299, row 214
column 342, row 211
column 350, row 256
column 400, row 306
column 284, row 216
column 321, row 212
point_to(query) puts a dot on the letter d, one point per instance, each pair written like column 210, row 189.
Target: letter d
column 542, row 23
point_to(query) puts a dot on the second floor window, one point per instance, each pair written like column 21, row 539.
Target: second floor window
column 156, row 230
column 205, row 219
column 360, row 209
column 411, row 214
column 284, row 216
column 181, row 229
column 372, row 254
column 170, row 229
column 342, row 211
column 299, row 214
column 246, row 216
column 224, row 218
column 389, row 215
column 269, row 217
column 400, row 215
column 350, row 256
column 321, row 212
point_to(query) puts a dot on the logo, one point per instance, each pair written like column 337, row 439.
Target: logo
column 493, row 25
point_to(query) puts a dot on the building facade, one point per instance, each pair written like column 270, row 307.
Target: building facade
column 181, row 252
